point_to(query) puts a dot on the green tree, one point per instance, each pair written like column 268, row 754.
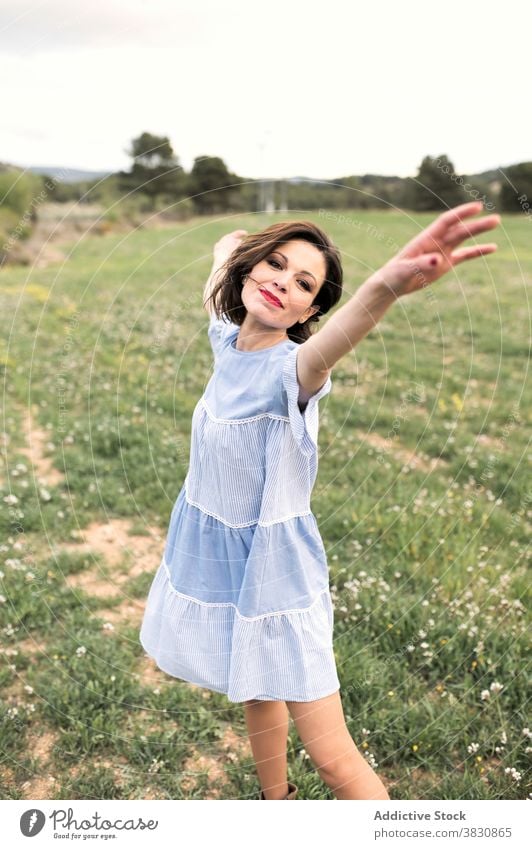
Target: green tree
column 435, row 186
column 22, row 192
column 211, row 186
column 516, row 189
column 155, row 171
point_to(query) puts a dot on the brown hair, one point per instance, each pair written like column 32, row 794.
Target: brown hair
column 227, row 293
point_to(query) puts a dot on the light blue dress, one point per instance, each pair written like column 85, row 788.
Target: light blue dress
column 240, row 603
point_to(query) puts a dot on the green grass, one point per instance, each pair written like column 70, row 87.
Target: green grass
column 427, row 562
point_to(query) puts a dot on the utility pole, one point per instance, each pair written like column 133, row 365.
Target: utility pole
column 266, row 186
column 261, row 183
column 283, row 203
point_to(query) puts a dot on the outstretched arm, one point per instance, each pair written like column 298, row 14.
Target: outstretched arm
column 422, row 261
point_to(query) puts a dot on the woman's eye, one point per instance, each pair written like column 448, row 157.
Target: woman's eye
column 305, row 283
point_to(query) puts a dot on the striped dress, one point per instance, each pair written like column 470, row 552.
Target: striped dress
column 240, row 603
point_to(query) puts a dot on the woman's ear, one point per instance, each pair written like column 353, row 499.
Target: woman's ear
column 310, row 311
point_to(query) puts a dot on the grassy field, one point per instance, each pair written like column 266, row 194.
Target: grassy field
column 421, row 499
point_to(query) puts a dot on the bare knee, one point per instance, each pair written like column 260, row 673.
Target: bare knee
column 339, row 771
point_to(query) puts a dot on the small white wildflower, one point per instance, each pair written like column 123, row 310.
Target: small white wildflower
column 496, row 687
column 422, row 633
column 44, row 494
column 108, row 626
column 371, row 758
column 366, row 731
column 113, row 678
column 81, row 650
column 527, row 732
column 472, row 748
column 504, row 738
column 28, row 688
column 485, row 694
column 11, row 499
column 157, row 691
column 510, row 770
column 2, row 599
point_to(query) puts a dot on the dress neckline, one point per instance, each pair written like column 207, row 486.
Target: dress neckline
column 234, row 349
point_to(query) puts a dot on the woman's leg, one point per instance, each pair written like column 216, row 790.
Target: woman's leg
column 267, row 723
column 324, row 734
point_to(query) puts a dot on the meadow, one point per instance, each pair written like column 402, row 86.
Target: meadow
column 422, row 500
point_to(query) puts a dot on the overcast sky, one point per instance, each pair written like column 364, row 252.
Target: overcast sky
column 278, row 88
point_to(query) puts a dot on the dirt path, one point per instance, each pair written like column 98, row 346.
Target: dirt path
column 58, row 224
column 121, row 555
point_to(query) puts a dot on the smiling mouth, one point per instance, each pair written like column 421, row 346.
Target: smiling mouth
column 271, row 298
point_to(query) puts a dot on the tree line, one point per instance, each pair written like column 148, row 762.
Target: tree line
column 157, row 181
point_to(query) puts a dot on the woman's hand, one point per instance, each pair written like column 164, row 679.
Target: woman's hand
column 435, row 250
column 225, row 246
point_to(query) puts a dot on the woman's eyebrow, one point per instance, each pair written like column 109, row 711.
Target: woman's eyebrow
column 299, row 272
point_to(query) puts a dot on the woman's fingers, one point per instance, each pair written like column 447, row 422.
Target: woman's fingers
column 460, row 232
column 438, row 232
column 472, row 252
column 453, row 216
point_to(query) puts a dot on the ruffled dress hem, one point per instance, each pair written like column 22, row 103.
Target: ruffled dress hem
column 265, row 657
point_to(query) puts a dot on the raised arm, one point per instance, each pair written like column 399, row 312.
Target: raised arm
column 423, row 260
column 222, row 250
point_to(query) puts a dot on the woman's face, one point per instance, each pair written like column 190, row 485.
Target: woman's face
column 292, row 274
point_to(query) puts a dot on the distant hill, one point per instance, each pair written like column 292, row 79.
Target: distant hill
column 75, row 175
column 68, row 175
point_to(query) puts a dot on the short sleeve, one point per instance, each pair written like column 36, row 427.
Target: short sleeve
column 220, row 331
column 304, row 425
